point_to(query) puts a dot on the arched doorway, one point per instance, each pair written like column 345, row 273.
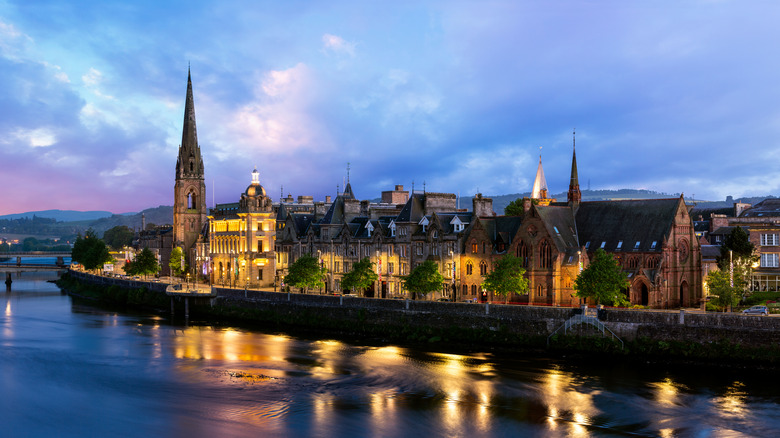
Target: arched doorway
column 684, row 299
column 640, row 293
column 645, row 295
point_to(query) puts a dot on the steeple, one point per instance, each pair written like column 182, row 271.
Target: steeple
column 540, row 183
column 190, row 162
column 189, row 204
column 574, row 196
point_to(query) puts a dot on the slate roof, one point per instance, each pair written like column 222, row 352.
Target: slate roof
column 559, row 222
column 766, row 208
column 301, row 221
column 644, row 221
column 413, row 210
column 710, row 252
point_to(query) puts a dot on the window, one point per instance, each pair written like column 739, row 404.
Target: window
column 636, row 246
column 545, row 255
column 474, row 247
column 556, row 230
column 435, row 234
column 539, row 290
column 769, row 240
column 419, row 248
column 603, row 244
column 390, row 268
column 469, row 268
column 522, row 252
column 770, row 261
column 620, row 244
column 336, row 266
column 465, row 289
column 435, row 249
column 587, row 245
column 652, row 246
column 633, row 262
column 473, row 289
column 483, row 269
column 346, row 266
column 392, row 229
column 389, row 250
column 652, row 262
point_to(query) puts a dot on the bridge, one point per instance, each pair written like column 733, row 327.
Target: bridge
column 8, row 266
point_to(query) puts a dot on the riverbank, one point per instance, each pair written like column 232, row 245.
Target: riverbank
column 711, row 339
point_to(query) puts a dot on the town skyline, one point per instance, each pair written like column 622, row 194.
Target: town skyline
column 456, row 96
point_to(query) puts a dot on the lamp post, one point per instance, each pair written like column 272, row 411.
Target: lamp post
column 379, row 274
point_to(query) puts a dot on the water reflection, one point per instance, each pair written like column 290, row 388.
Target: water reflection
column 156, row 379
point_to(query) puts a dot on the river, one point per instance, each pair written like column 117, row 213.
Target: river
column 73, row 370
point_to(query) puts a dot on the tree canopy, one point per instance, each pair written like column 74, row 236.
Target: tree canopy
column 743, row 251
column 603, row 280
column 90, row 251
column 176, row 262
column 145, row 263
column 515, row 208
column 724, row 295
column 361, row 277
column 306, row 273
column 507, row 277
column 423, row 279
column 118, row 236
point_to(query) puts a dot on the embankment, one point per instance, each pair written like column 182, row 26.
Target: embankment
column 647, row 334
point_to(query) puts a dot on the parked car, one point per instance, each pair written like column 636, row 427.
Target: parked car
column 757, row 310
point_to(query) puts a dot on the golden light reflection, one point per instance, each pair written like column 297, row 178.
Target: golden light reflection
column 322, row 407
column 383, row 410
column 230, row 345
column 8, row 308
column 667, row 392
column 733, row 401
column 566, row 402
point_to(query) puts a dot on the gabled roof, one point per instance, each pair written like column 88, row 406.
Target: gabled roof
column 559, row 222
column 335, row 214
column 301, row 222
column 644, row 221
column 413, row 210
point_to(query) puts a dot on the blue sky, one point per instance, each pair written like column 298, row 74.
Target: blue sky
column 672, row 96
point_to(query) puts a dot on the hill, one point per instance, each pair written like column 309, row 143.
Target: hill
column 61, row 215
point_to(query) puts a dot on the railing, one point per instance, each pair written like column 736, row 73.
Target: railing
column 586, row 318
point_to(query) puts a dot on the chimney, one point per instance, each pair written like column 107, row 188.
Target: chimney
column 482, row 206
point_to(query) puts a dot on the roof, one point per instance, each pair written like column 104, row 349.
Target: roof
column 710, row 252
column 560, row 225
column 767, row 208
column 413, row 210
column 625, row 223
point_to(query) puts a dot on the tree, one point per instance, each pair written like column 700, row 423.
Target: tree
column 306, row 273
column 361, row 277
column 90, row 251
column 423, row 279
column 119, row 236
column 603, row 280
column 145, row 263
column 507, row 277
column 740, row 260
column 515, row 208
column 720, row 287
column 176, row 262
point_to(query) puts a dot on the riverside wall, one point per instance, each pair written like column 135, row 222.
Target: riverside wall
column 530, row 321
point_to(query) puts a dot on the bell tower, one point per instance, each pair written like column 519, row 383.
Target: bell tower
column 189, row 204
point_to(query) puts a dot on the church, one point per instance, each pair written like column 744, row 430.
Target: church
column 653, row 240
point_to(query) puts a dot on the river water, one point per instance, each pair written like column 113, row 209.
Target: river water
column 72, row 370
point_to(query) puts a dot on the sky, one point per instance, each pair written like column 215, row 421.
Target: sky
column 450, row 96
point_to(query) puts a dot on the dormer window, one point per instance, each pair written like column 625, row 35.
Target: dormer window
column 637, row 245
column 556, row 230
column 457, row 225
column 435, row 234
column 424, row 222
column 369, row 228
column 603, row 244
column 392, row 229
column 620, row 244
column 653, row 245
column 587, row 244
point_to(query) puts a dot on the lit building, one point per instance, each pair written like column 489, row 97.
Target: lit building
column 241, row 239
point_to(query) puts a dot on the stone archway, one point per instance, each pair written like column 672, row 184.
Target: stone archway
column 640, row 293
column 684, row 294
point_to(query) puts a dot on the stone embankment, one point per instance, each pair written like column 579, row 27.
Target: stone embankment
column 690, row 334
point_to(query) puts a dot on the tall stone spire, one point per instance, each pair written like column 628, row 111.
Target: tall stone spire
column 190, row 162
column 540, row 183
column 189, row 203
column 574, row 196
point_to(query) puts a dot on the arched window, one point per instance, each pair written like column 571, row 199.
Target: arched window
column 469, row 268
column 545, row 255
column 465, row 289
column 633, row 262
column 483, row 248
column 539, row 290
column 474, row 247
column 473, row 289
column 483, row 268
column 652, row 262
column 522, row 253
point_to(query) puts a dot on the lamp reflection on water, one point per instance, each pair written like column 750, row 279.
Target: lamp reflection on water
column 566, row 402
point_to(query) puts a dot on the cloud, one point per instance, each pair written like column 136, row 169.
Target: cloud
column 36, row 138
column 336, row 44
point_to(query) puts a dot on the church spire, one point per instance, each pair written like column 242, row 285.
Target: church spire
column 540, row 183
column 190, row 162
column 574, row 196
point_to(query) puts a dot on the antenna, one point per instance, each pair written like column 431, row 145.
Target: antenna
column 281, row 193
column 574, row 138
column 347, row 172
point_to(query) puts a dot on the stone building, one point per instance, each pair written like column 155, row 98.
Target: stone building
column 653, row 240
column 189, row 202
column 241, row 239
column 396, row 234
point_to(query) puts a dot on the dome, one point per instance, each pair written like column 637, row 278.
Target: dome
column 255, row 189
